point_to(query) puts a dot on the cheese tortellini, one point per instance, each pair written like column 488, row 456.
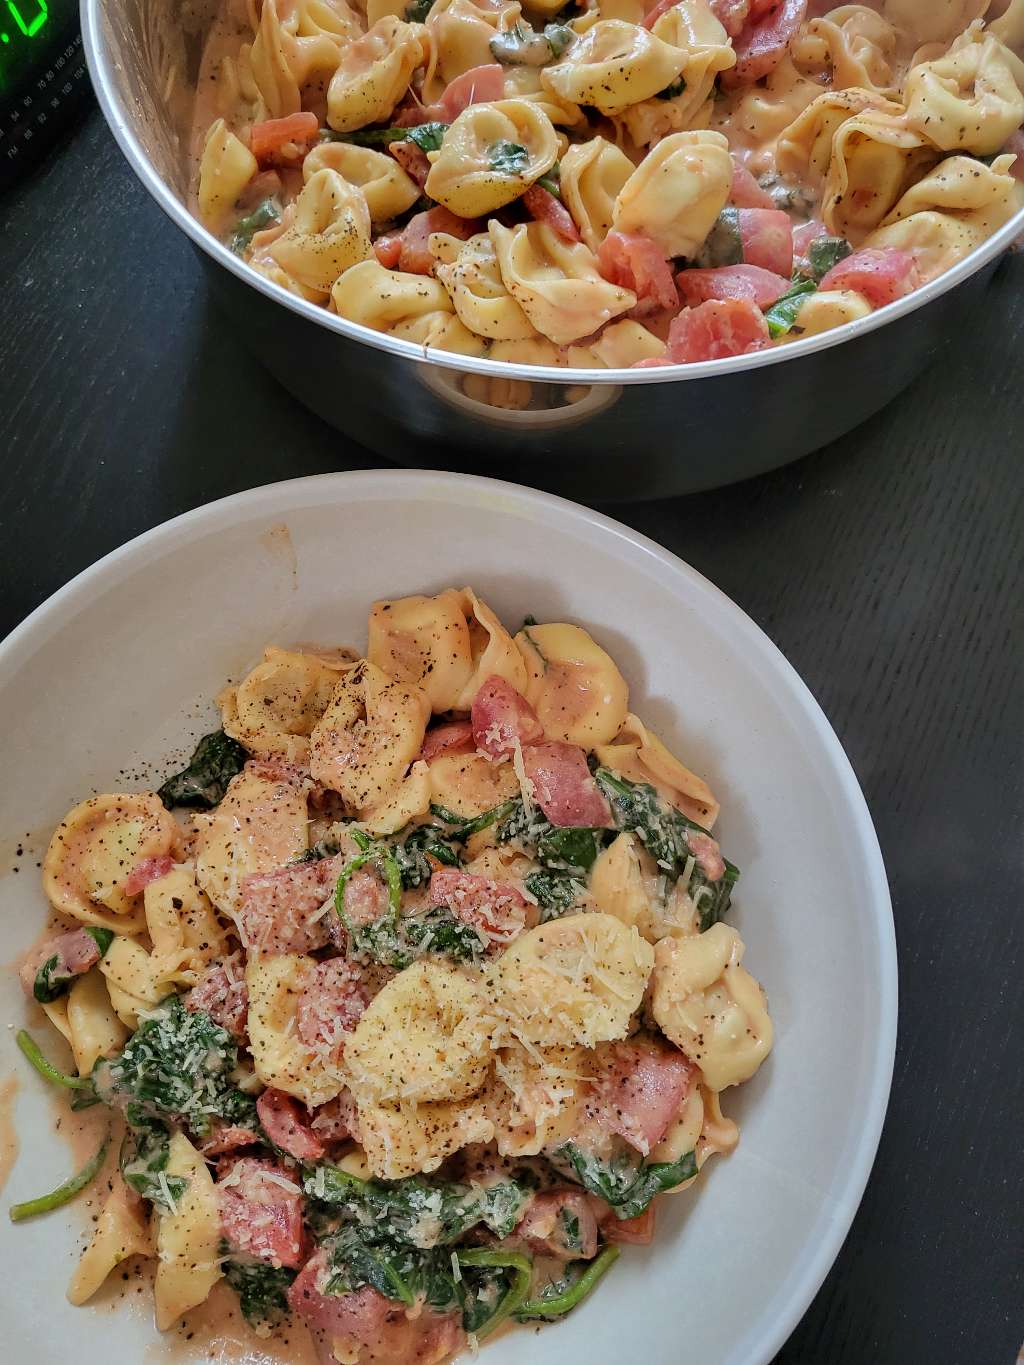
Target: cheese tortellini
column 384, row 299
column 613, row 65
column 710, row 1006
column 490, row 155
column 374, row 73
column 638, row 754
column 261, row 823
column 573, row 685
column 280, row 1057
column 188, row 1239
column 226, row 168
column 275, row 706
column 969, row 100
column 677, row 192
column 329, row 233
column 121, row 1231
column 386, row 188
column 479, row 294
column 591, row 176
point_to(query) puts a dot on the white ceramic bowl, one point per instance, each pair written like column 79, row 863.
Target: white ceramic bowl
column 108, row 673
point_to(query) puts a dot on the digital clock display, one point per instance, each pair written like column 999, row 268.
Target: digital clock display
column 43, row 78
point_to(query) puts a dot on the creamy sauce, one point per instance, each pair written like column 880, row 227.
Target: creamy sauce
column 217, row 1332
column 8, row 1133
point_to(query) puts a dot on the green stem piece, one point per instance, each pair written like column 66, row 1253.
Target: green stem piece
column 63, row 1194
column 46, row 1069
column 560, row 1304
column 518, row 1290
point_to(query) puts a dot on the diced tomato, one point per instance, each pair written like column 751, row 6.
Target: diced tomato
column 412, row 159
column 638, row 1231
column 720, row 327
column 415, row 255
column 388, row 250
column 766, row 236
column 286, row 140
column 329, row 1007
column 746, row 193
column 542, row 205
column 563, row 786
column 633, row 261
column 278, row 913
column 221, row 993
column 497, row 908
column 501, row 717
column 336, row 1120
column 479, row 85
column 454, row 737
column 145, row 871
column 880, row 274
column 762, row 287
column 641, row 1092
column 227, row 1137
column 286, row 1124
column 378, row 1329
column 261, row 1212
column 561, row 1224
column 76, row 951
column 763, row 40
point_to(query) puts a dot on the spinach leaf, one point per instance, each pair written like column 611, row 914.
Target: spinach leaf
column 262, row 1292
column 723, row 244
column 269, row 211
column 625, row 1181
column 783, row 313
column 561, row 1296
column 411, row 855
column 217, row 759
column 559, row 37
column 671, row 91
column 493, row 1285
column 666, row 833
column 508, row 158
column 555, row 892
column 564, row 849
column 145, row 1151
column 439, row 931
column 417, row 12
column 522, row 45
column 53, row 977
column 826, row 252
column 552, row 182
column 426, row 136
column 464, row 828
column 360, row 1256
column 177, row 1065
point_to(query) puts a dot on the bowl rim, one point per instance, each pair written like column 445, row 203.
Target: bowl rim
column 277, row 499
column 99, row 62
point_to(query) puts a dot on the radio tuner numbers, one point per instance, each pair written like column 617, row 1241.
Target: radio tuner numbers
column 33, row 114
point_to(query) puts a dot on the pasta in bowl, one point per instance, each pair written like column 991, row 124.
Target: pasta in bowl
column 409, row 997
column 729, row 177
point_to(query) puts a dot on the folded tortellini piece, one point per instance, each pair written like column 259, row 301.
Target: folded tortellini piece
column 614, row 65
column 187, row 1240
column 710, row 1006
column 329, row 233
column 536, row 1097
column 470, row 784
column 574, row 685
column 225, row 168
column 94, row 851
column 282, row 62
column 261, row 824
column 490, row 155
column 852, row 47
column 280, row 1058
column 383, row 299
column 591, row 174
column 478, row 292
column 121, row 1231
column 525, row 83
column 578, row 978
column 387, row 189
column 137, row 980
column 442, row 331
column 828, row 308
column 626, row 882
column 677, row 192
column 637, row 754
column 969, row 100
column 423, row 641
column 180, row 919
column 94, row 1028
column 875, row 156
column 273, row 709
column 374, row 73
column 403, row 1142
column 693, row 29
column 619, row 346
column 365, row 741
column 420, row 1040
column 805, row 146
column 932, row 21
column 409, row 800
column 556, row 283
column 460, row 33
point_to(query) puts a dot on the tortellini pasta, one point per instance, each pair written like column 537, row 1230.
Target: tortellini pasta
column 626, row 882
column 419, row 1040
column 591, row 175
column 677, row 192
column 710, row 1006
column 614, row 65
column 95, row 849
column 442, row 331
column 692, row 28
column 932, row 21
column 490, row 155
column 461, row 32
column 479, row 294
column 407, row 803
column 536, row 1097
column 968, row 100
column 95, row 1029
column 275, row 706
column 493, row 652
column 805, row 147
column 639, row 755
column 851, row 46
column 621, row 344
column 387, row 189
column 403, row 1142
column 875, row 156
column 329, row 233
column 469, row 784
column 828, row 308
column 187, row 1240
column 282, row 63
column 121, row 1231
column 226, row 167
column 556, row 283
column 382, row 299
column 280, row 1057
column 181, row 920
column 573, row 684
column 261, row 823
column 423, row 641
column 137, row 980
column 374, row 73
column 368, row 736
column 581, row 977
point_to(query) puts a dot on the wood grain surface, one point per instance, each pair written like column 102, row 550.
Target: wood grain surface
column 886, row 567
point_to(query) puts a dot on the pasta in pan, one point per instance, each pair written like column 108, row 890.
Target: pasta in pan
column 519, row 182
column 416, row 974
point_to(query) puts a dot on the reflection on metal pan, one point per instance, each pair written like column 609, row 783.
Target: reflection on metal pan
column 525, row 405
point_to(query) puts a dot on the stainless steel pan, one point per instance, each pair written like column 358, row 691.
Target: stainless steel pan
column 607, row 434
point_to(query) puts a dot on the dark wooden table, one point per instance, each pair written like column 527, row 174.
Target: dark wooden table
column 887, row 567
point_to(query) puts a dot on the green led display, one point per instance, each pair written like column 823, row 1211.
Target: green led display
column 21, row 22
